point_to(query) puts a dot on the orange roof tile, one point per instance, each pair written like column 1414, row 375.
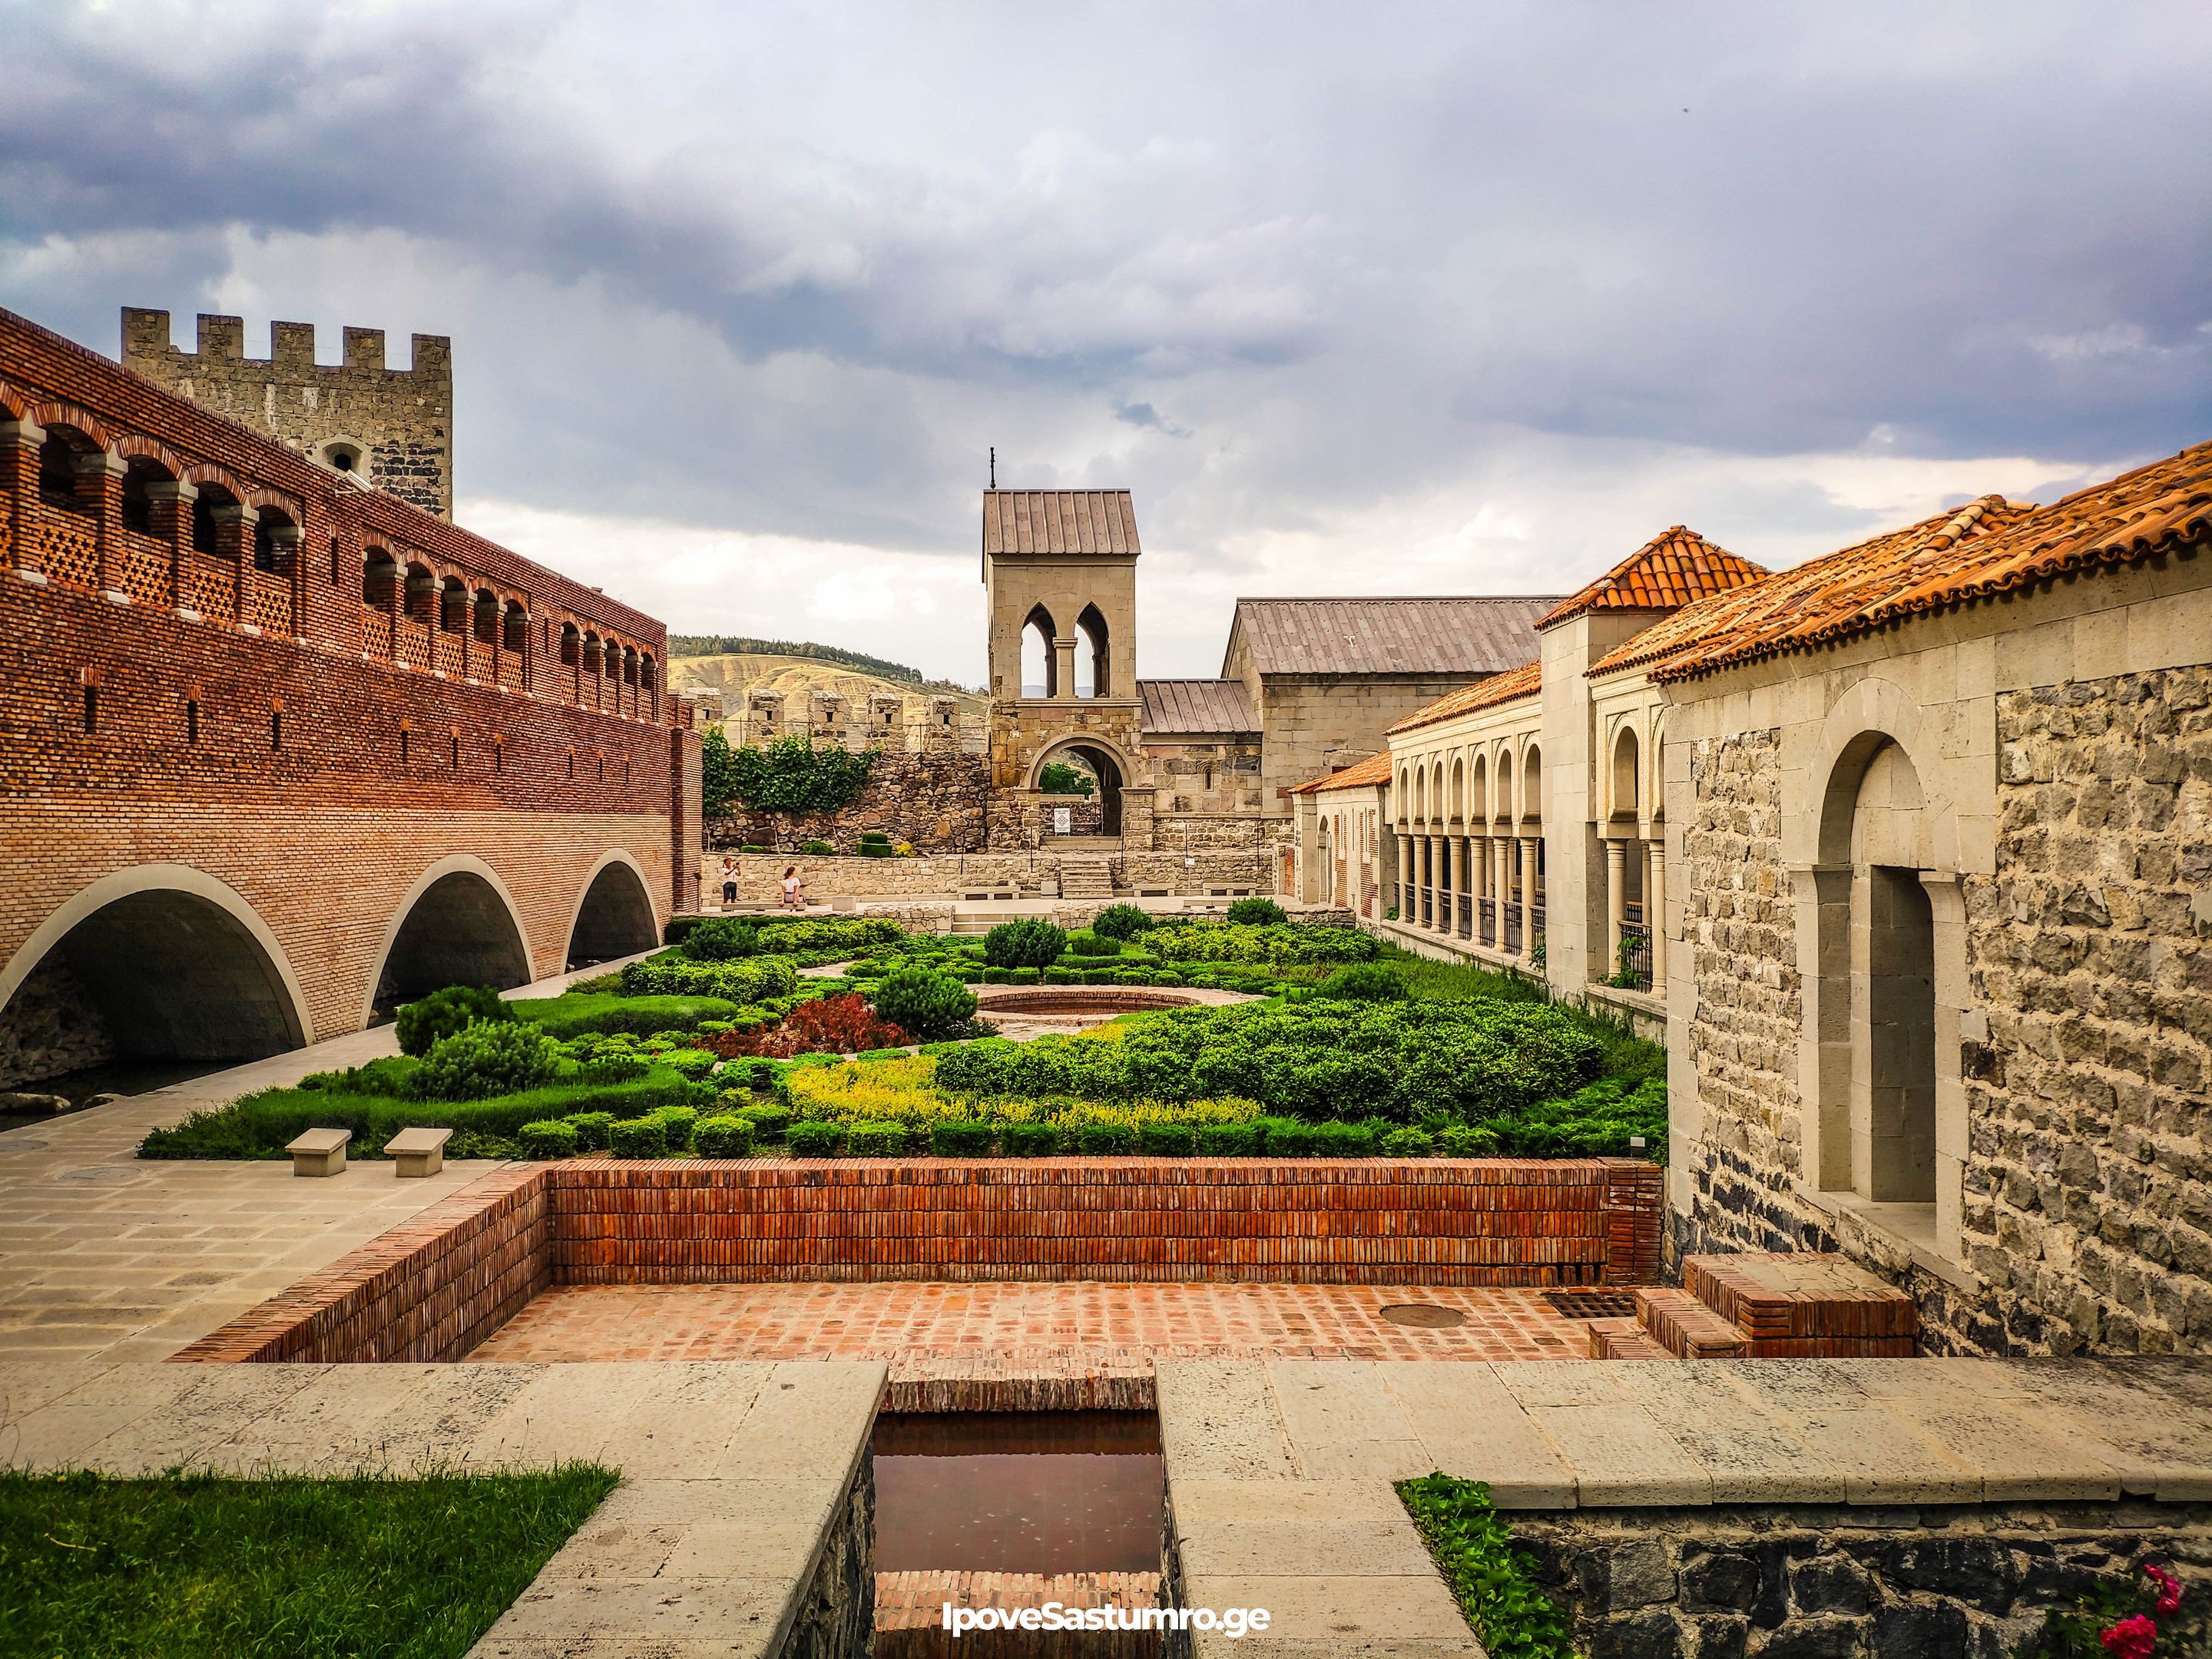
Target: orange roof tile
column 1988, row 547
column 1676, row 567
column 1375, row 769
column 1514, row 683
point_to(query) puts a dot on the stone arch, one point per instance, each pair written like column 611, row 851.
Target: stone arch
column 1039, row 622
column 1091, row 625
column 1532, row 785
column 1108, row 763
column 1872, row 711
column 53, row 414
column 135, row 445
column 615, row 915
column 457, row 925
column 1625, row 773
column 202, row 474
column 1501, row 806
column 177, row 964
column 1478, row 803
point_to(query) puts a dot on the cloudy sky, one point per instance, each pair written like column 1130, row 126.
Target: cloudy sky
column 1406, row 298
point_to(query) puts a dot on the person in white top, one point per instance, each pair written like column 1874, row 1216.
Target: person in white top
column 791, row 898
column 729, row 883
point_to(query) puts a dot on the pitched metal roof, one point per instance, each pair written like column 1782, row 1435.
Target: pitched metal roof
column 1676, row 567
column 1170, row 706
column 1513, row 684
column 1474, row 636
column 1049, row 521
column 1375, row 769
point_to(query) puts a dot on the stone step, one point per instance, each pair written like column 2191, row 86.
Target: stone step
column 1804, row 1305
column 1686, row 1326
column 1622, row 1338
column 1085, row 879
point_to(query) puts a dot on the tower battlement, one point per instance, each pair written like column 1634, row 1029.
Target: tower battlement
column 392, row 428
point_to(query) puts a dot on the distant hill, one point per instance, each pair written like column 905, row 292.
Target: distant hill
column 702, row 645
column 735, row 673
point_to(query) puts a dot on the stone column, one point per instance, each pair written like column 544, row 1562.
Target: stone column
column 1616, row 902
column 19, row 477
column 171, row 501
column 1654, row 911
column 1471, row 881
column 1063, row 666
column 99, row 475
column 1439, row 880
column 1529, row 845
column 1502, row 869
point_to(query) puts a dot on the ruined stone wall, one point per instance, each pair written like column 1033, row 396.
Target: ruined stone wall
column 1014, row 875
column 1206, row 776
column 50, row 1027
column 935, row 802
column 2088, row 1211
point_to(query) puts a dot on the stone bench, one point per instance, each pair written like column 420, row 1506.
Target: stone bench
column 320, row 1151
column 417, row 1151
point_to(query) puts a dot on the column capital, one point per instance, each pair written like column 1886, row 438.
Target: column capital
column 28, row 435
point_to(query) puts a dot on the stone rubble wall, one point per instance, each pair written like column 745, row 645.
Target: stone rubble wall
column 1760, row 1582
column 836, row 1615
column 936, row 802
column 49, row 1028
column 1024, row 875
column 2088, row 1208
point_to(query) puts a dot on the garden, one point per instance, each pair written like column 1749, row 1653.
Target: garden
column 720, row 1047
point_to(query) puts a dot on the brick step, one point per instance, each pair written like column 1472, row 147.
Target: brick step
column 1622, row 1338
column 1685, row 1326
column 1804, row 1305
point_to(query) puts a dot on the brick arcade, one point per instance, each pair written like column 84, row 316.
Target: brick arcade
column 280, row 749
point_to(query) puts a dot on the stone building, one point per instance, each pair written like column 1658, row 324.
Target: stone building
column 1908, row 849
column 278, row 750
column 390, row 428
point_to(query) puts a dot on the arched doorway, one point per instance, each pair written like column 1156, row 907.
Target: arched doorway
column 616, row 917
column 1102, row 764
column 460, row 930
column 145, row 966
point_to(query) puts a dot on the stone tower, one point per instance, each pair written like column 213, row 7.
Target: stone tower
column 1062, row 564
column 391, row 427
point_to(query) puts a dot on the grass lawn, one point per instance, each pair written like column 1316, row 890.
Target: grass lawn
column 194, row 1566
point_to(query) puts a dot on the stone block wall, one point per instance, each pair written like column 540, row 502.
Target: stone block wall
column 1804, row 1582
column 1206, row 776
column 938, row 802
column 836, row 1615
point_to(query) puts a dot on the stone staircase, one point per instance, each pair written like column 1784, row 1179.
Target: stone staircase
column 1764, row 1306
column 1085, row 879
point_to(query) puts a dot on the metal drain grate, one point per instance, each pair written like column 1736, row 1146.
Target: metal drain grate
column 1422, row 1315
column 1593, row 1304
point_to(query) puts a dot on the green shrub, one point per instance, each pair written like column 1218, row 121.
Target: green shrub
column 922, row 1002
column 997, row 976
column 1256, row 913
column 1121, row 922
column 1093, row 944
column 1288, row 1137
column 817, row 849
column 1167, row 1139
column 1060, row 976
column 1025, row 942
column 1365, row 982
column 1105, row 1139
column 1290, row 945
column 1409, row 1143
column 724, row 1136
column 721, row 939
column 954, row 1137
column 693, row 1063
column 638, row 1136
column 590, row 1129
column 579, row 1013
column 614, row 1067
column 873, row 1138
column 1498, row 1584
column 1228, row 1140
column 677, row 1121
column 1030, row 1140
column 813, row 1139
column 1022, row 975
column 547, row 1138
column 1466, row 1141
column 484, row 1060
column 1343, row 1140
column 751, row 979
column 442, row 1013
column 769, row 1120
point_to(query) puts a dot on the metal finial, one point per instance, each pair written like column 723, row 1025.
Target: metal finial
column 994, row 467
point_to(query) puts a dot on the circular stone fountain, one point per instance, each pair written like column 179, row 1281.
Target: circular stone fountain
column 1026, row 1010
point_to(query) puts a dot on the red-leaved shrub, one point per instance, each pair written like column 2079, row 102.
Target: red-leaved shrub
column 827, row 1025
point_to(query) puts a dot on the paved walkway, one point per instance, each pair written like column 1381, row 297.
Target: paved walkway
column 1280, row 1472
column 103, row 1256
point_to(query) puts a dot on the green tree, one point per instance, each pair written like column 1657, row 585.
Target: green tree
column 718, row 774
column 1059, row 778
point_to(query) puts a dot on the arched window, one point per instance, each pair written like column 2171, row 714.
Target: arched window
column 1625, row 768
column 1532, row 785
column 629, row 665
column 138, row 479
column 645, row 674
column 57, row 464
column 486, row 617
column 276, row 541
column 514, row 632
column 1501, row 808
column 453, row 606
column 212, row 496
column 421, row 592
column 594, row 660
column 1092, row 625
column 572, row 647
column 380, row 579
column 1040, row 662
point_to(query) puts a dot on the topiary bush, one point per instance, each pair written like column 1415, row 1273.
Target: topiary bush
column 676, row 1123
column 1025, row 942
column 1365, row 982
column 443, row 1013
column 1105, row 1139
column 1093, row 944
column 1409, row 1143
column 590, row 1129
column 721, row 939
column 484, row 1060
column 1228, row 1140
column 954, row 1137
column 817, row 849
column 1030, row 1140
column 547, row 1137
column 753, row 979
column 1467, row 1140
column 638, row 1136
column 813, row 1139
column 1286, row 1137
column 1256, row 913
column 1167, row 1139
column 723, row 1136
column 769, row 1120
column 1121, row 922
column 875, row 1139
column 1343, row 1140
column 921, row 1001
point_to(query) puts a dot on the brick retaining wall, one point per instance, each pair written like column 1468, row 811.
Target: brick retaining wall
column 435, row 1288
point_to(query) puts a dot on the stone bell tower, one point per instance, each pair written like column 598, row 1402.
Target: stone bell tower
column 1062, row 564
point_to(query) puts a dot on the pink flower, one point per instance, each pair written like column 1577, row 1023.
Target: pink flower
column 2169, row 1588
column 2131, row 1639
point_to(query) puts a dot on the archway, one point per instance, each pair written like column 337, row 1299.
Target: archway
column 161, row 962
column 1090, row 626
column 1103, row 764
column 1040, row 661
column 615, row 918
column 459, row 927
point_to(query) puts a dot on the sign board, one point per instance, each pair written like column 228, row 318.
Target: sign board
column 1063, row 820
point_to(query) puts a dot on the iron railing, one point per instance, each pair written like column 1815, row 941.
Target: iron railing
column 1466, row 928
column 1513, row 929
column 1486, row 912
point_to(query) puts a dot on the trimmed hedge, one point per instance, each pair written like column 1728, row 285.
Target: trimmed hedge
column 724, row 1136
column 641, row 1136
column 574, row 1013
column 547, row 1138
column 815, row 1139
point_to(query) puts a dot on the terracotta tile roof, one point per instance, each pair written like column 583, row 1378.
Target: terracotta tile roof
column 1375, row 769
column 1514, row 683
column 1473, row 636
column 1676, row 567
column 1059, row 521
column 1170, row 706
column 1988, row 547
